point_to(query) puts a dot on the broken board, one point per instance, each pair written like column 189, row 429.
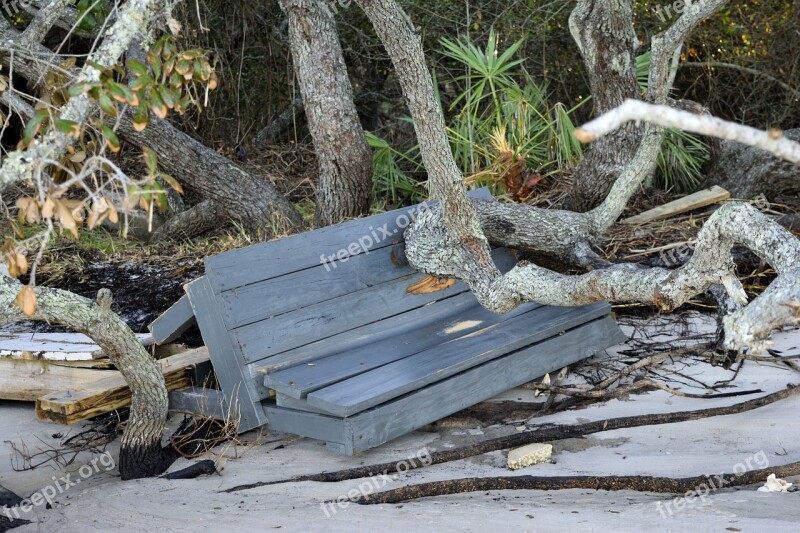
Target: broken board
column 55, row 346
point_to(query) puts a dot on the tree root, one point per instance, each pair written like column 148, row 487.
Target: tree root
column 549, row 434
column 206, row 467
column 690, row 486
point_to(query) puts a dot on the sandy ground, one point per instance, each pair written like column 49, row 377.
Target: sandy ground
column 766, row 437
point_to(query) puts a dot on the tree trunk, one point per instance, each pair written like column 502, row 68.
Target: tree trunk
column 343, row 156
column 141, row 454
column 236, row 193
column 749, row 172
column 603, row 30
column 194, row 221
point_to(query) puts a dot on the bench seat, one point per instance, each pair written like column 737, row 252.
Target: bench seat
column 320, row 334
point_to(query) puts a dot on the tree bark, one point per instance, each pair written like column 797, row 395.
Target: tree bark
column 194, row 221
column 343, row 156
column 141, row 454
column 603, row 31
column 237, row 194
column 749, row 172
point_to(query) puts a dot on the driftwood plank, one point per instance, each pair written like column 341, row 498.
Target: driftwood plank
column 112, row 392
column 298, row 381
column 378, row 386
column 265, row 261
column 26, row 380
column 229, row 365
column 414, row 410
column 681, row 205
column 173, row 322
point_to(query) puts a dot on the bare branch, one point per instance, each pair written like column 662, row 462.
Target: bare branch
column 43, row 21
column 668, row 117
column 133, row 20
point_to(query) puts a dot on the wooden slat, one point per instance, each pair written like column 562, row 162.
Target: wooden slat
column 268, row 260
column 298, row 381
column 388, row 421
column 229, row 366
column 378, row 386
column 681, row 205
column 173, row 322
column 265, row 299
column 315, row 322
column 365, row 335
column 74, row 404
column 303, row 423
column 200, row 401
column 282, row 400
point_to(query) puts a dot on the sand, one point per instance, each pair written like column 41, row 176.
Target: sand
column 766, row 437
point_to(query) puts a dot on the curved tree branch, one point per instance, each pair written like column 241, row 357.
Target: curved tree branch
column 141, row 454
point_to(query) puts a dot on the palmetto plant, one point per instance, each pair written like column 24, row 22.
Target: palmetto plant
column 682, row 155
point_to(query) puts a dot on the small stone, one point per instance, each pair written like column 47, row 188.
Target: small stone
column 532, row 454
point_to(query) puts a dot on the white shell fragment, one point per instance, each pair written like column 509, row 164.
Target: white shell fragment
column 774, row 484
column 532, row 454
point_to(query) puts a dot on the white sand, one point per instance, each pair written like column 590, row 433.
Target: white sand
column 769, row 435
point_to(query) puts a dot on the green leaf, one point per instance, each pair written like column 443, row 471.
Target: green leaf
column 160, row 196
column 151, row 160
column 107, row 105
column 172, row 182
column 111, row 138
column 34, row 125
column 141, row 118
column 138, row 68
column 67, row 127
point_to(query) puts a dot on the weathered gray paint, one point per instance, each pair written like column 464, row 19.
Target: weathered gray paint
column 173, row 322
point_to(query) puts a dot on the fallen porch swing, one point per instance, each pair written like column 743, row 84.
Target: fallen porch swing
column 320, row 335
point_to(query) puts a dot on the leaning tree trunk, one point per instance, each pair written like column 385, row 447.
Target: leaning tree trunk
column 603, row 30
column 237, row 194
column 141, row 454
column 343, row 157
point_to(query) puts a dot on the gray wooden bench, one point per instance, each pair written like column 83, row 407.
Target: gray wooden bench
column 317, row 335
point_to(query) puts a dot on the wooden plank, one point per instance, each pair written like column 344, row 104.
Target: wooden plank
column 173, row 322
column 276, row 258
column 75, row 404
column 229, row 365
column 282, row 400
column 265, row 299
column 26, row 380
column 681, row 205
column 366, row 335
column 298, row 381
column 325, row 319
column 390, row 420
column 378, row 386
column 310, row 425
column 55, row 346
column 200, row 401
